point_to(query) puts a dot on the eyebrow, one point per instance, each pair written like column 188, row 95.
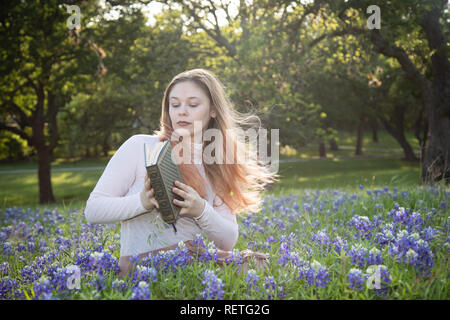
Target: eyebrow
column 188, row 98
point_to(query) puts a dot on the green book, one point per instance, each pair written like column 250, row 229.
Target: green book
column 163, row 172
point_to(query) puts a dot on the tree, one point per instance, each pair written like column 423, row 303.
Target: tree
column 429, row 19
column 41, row 55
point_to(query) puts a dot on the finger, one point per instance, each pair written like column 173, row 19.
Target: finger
column 180, row 192
column 179, row 203
column 155, row 202
column 182, row 186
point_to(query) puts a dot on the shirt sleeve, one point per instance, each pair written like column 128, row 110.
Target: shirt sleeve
column 220, row 225
column 107, row 203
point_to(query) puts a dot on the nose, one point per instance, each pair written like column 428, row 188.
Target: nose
column 182, row 110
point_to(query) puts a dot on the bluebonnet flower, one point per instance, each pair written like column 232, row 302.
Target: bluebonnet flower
column 21, row 247
column 374, row 257
column 252, row 278
column 98, row 282
column 321, row 238
column 7, row 250
column 101, row 261
column 119, row 285
column 378, row 279
column 340, row 244
column 143, row 273
column 169, row 260
column 356, row 279
column 315, row 274
column 270, row 286
column 359, row 255
column 316, row 224
column 285, row 253
column 209, row 254
column 429, row 234
column 28, row 274
column 141, row 291
column 213, row 286
column 58, row 276
column 4, row 267
column 363, row 226
column 43, row 289
column 7, row 286
column 235, row 257
column 199, row 241
column 400, row 250
column 384, row 237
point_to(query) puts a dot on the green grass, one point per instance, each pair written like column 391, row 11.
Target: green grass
column 386, row 146
column 348, row 173
column 22, row 189
column 340, row 170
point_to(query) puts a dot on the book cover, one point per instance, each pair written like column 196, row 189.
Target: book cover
column 163, row 172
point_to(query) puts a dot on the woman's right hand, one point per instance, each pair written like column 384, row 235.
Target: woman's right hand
column 148, row 195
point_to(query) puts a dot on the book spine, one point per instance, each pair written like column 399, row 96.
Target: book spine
column 161, row 195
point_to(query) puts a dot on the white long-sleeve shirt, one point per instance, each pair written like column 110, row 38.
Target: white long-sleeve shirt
column 116, row 197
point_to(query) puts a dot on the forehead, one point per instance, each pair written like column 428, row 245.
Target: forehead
column 187, row 90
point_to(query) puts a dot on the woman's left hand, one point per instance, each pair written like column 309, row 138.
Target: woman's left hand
column 193, row 204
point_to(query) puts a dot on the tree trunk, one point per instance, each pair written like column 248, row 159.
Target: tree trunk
column 87, row 152
column 435, row 92
column 360, row 136
column 421, row 131
column 322, row 149
column 374, row 126
column 396, row 130
column 105, row 146
column 436, row 161
column 401, row 139
column 39, row 142
column 333, row 145
column 45, row 184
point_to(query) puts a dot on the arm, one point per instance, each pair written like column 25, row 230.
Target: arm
column 107, row 203
column 219, row 224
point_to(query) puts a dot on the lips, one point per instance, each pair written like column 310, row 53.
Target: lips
column 183, row 123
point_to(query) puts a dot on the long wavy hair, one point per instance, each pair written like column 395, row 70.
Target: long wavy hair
column 239, row 185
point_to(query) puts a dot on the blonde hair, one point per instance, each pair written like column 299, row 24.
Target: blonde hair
column 240, row 184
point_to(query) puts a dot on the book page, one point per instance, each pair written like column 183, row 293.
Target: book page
column 152, row 155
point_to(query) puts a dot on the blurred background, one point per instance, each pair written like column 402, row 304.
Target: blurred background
column 359, row 90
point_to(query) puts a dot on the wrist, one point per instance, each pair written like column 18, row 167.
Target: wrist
column 202, row 211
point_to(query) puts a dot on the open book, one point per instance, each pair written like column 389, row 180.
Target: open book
column 163, row 172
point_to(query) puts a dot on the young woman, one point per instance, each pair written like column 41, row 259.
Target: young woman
column 212, row 193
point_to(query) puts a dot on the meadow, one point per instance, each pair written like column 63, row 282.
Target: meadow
column 339, row 228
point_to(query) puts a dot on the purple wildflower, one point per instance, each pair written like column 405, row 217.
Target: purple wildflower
column 43, row 289
column 7, row 286
column 270, row 286
column 315, row 274
column 213, row 286
column 119, row 285
column 363, row 226
column 252, row 278
column 141, row 291
column 356, row 279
